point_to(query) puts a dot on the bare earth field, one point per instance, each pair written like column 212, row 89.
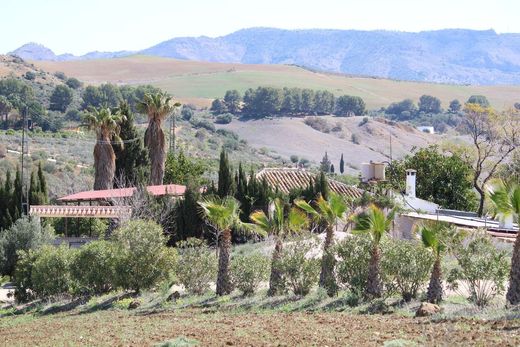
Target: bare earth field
column 123, row 328
column 288, row 136
column 200, row 82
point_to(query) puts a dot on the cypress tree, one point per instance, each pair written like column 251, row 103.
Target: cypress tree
column 225, row 177
column 42, row 182
column 322, row 186
column 16, row 208
column 331, row 168
column 325, row 163
column 132, row 158
column 187, row 219
column 341, row 165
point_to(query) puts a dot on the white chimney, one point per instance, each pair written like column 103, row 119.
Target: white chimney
column 410, row 182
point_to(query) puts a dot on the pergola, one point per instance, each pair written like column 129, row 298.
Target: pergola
column 102, row 199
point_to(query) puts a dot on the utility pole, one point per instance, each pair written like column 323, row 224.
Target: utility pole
column 172, row 132
column 25, row 150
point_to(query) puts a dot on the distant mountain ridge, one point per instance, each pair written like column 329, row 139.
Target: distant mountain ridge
column 36, row 51
column 447, row 56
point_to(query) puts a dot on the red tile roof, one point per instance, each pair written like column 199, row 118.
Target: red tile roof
column 168, row 189
column 287, row 179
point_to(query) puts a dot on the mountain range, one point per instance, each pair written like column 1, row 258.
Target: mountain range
column 457, row 56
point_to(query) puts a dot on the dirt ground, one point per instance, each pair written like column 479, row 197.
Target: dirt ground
column 125, row 328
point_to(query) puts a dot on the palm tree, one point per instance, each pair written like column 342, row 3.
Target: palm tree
column 278, row 224
column 157, row 106
column 224, row 216
column 106, row 125
column 327, row 213
column 431, row 236
column 376, row 224
column 506, row 200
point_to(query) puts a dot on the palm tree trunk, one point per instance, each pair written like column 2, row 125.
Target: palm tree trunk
column 513, row 292
column 434, row 294
column 275, row 280
column 373, row 289
column 224, row 285
column 154, row 141
column 328, row 262
column 104, row 164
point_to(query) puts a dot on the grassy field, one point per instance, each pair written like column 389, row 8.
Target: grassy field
column 200, row 82
column 257, row 321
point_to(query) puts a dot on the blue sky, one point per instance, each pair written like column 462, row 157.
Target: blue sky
column 80, row 26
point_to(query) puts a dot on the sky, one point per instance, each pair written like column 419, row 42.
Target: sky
column 81, row 26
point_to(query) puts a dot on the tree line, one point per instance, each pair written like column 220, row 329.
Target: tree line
column 270, row 101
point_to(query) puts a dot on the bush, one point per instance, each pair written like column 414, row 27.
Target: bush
column 204, row 124
column 248, row 271
column 50, row 273
column 405, row 266
column 197, row 266
column 355, row 138
column 60, row 75
column 353, row 255
column 224, row 118
column 144, row 259
column 187, row 112
column 73, row 83
column 93, row 267
column 364, row 121
column 482, row 269
column 319, row 124
column 24, row 234
column 299, row 270
column 22, row 278
column 30, row 75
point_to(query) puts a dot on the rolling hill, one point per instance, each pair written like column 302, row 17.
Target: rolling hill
column 448, row 56
column 200, row 82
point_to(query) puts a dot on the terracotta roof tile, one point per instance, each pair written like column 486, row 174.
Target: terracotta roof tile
column 287, row 179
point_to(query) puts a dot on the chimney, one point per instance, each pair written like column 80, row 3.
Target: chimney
column 410, row 182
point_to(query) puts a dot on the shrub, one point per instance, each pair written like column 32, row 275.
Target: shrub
column 144, row 259
column 60, row 75
column 355, row 138
column 294, row 158
column 197, row 266
column 299, row 270
column 353, row 255
column 187, row 112
column 364, row 121
column 93, row 267
column 73, row 83
column 482, row 269
column 248, row 271
column 50, row 273
column 405, row 267
column 203, row 123
column 30, row 75
column 224, row 118
column 319, row 124
column 24, row 234
column 22, row 278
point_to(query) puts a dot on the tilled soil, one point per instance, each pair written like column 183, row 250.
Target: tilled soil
column 122, row 328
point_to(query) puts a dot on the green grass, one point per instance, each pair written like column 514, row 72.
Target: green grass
column 203, row 81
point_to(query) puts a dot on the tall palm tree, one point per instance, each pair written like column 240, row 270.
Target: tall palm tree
column 327, row 213
column 278, row 224
column 224, row 216
column 376, row 224
column 157, row 106
column 106, row 125
column 506, row 200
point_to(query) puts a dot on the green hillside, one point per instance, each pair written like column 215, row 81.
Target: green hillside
column 199, row 82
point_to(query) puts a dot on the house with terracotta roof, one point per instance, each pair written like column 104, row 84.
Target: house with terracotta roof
column 287, row 179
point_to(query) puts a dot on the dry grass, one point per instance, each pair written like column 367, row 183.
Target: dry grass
column 199, row 82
